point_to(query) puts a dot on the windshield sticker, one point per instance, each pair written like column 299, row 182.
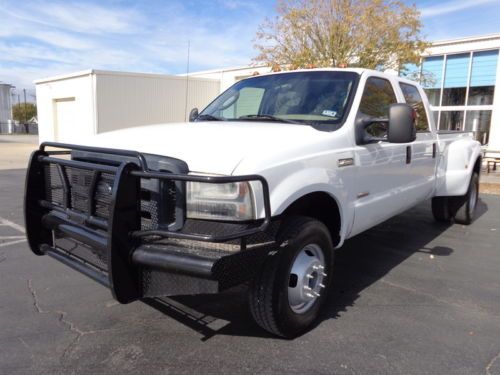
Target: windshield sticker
column 329, row 113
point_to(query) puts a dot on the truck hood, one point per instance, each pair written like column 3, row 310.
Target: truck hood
column 210, row 147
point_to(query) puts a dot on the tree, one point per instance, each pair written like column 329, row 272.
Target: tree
column 374, row 34
column 23, row 112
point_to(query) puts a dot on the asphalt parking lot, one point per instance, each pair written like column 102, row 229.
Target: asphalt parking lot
column 410, row 297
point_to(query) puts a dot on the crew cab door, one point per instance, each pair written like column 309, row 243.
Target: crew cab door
column 424, row 149
column 383, row 168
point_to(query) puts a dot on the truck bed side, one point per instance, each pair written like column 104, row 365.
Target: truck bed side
column 458, row 155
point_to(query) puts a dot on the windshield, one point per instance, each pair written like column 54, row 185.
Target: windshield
column 313, row 97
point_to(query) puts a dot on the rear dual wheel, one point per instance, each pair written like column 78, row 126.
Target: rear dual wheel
column 462, row 208
column 286, row 296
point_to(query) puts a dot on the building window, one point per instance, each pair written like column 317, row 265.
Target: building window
column 479, row 122
column 455, row 81
column 451, row 120
column 483, row 76
column 462, row 80
column 431, row 77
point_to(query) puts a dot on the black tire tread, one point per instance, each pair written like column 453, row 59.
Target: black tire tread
column 261, row 295
column 455, row 208
column 440, row 209
column 460, row 205
column 262, row 288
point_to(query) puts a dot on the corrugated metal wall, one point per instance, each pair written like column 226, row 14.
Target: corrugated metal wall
column 66, row 109
column 128, row 100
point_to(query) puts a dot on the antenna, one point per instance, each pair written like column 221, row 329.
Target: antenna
column 187, row 83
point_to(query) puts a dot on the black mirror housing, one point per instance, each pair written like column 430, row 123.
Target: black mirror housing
column 401, row 124
column 193, row 114
column 361, row 125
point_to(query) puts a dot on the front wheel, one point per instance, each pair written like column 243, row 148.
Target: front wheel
column 286, row 296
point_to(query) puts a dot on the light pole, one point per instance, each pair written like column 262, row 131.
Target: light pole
column 25, row 112
column 26, row 128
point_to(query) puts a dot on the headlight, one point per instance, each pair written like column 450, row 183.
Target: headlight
column 231, row 201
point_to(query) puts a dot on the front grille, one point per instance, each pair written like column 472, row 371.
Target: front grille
column 54, row 192
column 80, row 183
column 149, row 210
column 157, row 201
column 102, row 196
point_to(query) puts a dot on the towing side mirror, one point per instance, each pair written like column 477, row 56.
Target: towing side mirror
column 362, row 125
column 193, row 114
column 401, row 124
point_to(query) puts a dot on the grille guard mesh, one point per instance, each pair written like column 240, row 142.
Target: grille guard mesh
column 102, row 206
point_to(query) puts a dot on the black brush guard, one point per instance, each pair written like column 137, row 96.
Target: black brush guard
column 123, row 257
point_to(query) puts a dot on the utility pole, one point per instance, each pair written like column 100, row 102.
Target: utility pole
column 25, row 112
column 19, row 105
column 26, row 126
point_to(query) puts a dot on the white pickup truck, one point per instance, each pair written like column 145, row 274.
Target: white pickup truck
column 258, row 189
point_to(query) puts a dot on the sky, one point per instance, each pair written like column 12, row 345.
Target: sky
column 45, row 38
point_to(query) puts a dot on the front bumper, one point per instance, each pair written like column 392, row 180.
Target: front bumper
column 104, row 213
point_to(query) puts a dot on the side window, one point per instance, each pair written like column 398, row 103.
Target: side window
column 413, row 98
column 377, row 97
column 375, row 102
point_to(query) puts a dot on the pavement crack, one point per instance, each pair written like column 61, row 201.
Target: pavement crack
column 35, row 298
column 73, row 328
column 28, row 348
column 63, row 320
column 24, row 344
column 490, row 364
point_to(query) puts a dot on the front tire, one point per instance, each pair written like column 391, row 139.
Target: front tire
column 286, row 296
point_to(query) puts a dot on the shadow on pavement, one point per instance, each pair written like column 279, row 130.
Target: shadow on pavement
column 361, row 262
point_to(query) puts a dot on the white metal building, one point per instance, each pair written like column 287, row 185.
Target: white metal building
column 93, row 101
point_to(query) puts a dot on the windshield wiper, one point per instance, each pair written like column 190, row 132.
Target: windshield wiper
column 268, row 118
column 209, row 118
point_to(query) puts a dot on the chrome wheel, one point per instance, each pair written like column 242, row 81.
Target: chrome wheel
column 306, row 279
